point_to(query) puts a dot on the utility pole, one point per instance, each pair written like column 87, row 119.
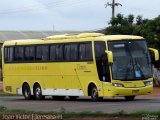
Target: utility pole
column 112, row 5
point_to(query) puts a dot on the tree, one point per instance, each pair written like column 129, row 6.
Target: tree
column 139, row 20
column 113, row 22
column 149, row 29
column 120, row 25
column 130, row 18
column 119, row 18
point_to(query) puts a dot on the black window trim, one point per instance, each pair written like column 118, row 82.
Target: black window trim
column 49, row 45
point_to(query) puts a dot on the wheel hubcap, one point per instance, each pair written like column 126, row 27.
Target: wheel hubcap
column 38, row 92
column 26, row 93
column 94, row 93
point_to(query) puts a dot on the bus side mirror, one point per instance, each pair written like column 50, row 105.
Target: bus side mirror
column 154, row 54
column 110, row 56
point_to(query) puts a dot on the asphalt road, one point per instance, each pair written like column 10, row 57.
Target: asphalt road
column 109, row 105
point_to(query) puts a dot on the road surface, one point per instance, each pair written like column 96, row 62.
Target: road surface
column 110, row 105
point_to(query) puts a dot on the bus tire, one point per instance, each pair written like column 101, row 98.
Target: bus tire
column 129, row 98
column 38, row 92
column 26, row 92
column 73, row 97
column 94, row 94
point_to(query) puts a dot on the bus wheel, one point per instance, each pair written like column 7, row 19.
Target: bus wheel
column 73, row 97
column 38, row 92
column 26, row 92
column 58, row 97
column 129, row 98
column 94, row 94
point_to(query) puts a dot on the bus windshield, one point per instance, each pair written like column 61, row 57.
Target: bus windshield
column 131, row 60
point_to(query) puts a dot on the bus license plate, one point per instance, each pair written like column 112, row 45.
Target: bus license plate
column 135, row 91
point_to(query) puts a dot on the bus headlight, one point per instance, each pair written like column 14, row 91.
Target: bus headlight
column 117, row 85
column 146, row 83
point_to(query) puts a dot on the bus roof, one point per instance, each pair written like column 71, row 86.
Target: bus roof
column 72, row 38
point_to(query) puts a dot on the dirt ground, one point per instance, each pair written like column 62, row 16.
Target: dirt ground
column 155, row 92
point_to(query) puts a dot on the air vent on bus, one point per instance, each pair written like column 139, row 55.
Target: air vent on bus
column 57, row 36
column 83, row 35
column 67, row 36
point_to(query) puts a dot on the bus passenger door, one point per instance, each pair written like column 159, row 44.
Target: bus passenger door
column 102, row 63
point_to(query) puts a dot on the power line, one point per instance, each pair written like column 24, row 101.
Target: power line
column 52, row 5
column 33, row 6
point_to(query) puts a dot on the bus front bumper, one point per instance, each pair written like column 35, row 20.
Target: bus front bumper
column 121, row 91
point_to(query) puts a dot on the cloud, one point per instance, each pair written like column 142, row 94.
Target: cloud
column 68, row 14
column 22, row 6
column 146, row 8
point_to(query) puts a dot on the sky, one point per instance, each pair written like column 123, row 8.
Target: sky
column 72, row 15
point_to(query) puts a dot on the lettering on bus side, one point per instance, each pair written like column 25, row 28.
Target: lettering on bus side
column 81, row 67
column 29, row 68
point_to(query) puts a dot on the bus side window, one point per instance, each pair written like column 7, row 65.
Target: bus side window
column 11, row 51
column 45, row 53
column 53, row 52
column 19, row 53
column 38, row 53
column 8, row 54
column 71, row 52
column 6, row 57
column 42, row 53
column 74, row 52
column 67, row 52
column 85, row 52
column 82, row 51
column 26, row 53
column 59, row 52
column 29, row 53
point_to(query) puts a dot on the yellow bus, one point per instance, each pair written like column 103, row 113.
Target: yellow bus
column 86, row 64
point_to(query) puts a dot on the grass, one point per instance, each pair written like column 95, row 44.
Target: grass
column 6, row 94
column 66, row 115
